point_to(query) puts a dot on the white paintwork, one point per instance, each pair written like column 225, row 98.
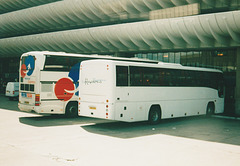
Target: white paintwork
column 49, row 102
column 12, row 89
column 101, row 98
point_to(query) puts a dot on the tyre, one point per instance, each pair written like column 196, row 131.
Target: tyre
column 210, row 109
column 154, row 116
column 71, row 110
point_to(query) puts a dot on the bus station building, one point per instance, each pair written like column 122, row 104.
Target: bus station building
column 201, row 33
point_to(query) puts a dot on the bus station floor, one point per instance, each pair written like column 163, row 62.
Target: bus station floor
column 30, row 139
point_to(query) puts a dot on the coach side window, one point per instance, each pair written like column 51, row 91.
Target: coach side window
column 56, row 63
column 136, row 76
column 161, row 78
column 150, row 77
column 121, row 76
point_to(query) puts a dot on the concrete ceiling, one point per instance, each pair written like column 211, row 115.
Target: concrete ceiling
column 13, row 5
column 201, row 31
column 73, row 14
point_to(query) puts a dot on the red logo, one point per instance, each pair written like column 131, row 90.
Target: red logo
column 64, row 89
column 23, row 70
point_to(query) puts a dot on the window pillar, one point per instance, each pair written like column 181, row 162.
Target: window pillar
column 237, row 90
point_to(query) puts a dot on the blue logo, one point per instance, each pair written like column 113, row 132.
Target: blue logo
column 28, row 66
column 74, row 75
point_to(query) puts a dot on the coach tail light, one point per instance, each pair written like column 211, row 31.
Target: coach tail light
column 37, row 99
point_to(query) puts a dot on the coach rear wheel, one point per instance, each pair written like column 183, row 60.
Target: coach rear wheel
column 154, row 116
column 72, row 110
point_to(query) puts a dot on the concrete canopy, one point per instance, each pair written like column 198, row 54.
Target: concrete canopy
column 13, row 5
column 70, row 14
column 202, row 31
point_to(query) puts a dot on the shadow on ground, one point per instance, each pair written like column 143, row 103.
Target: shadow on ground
column 200, row 128
column 56, row 120
column 5, row 103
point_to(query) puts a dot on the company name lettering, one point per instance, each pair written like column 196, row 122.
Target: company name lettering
column 94, row 81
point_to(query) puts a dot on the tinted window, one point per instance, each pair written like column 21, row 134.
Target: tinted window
column 27, row 87
column 32, row 88
column 136, row 76
column 61, row 63
column 145, row 76
column 122, row 75
column 22, row 87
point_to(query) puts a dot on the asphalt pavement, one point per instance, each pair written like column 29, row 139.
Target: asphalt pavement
column 30, row 139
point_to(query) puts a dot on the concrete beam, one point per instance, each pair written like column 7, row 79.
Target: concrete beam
column 237, row 90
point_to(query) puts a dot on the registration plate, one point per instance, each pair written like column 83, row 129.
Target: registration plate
column 92, row 107
column 26, row 102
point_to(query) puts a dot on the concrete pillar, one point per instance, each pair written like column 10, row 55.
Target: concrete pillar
column 237, row 90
